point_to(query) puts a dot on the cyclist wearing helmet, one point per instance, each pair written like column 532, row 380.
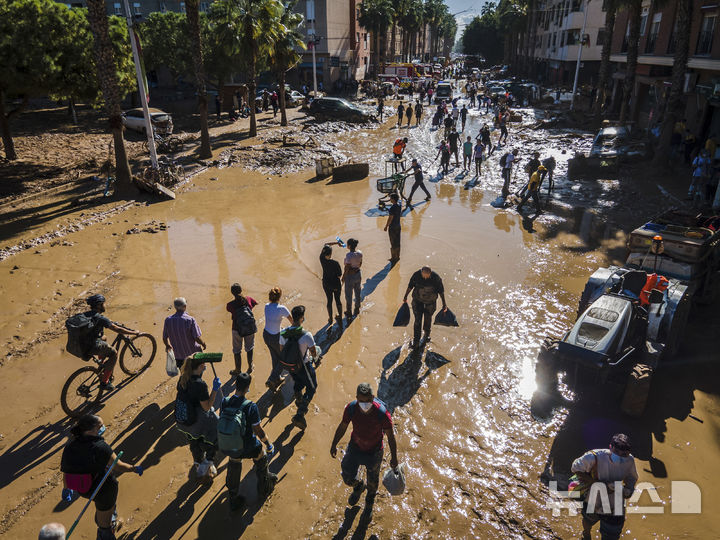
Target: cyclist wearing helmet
column 99, row 347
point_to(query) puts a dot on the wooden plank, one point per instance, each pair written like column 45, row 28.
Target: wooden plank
column 164, row 191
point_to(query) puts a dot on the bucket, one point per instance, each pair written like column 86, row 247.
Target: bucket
column 324, row 166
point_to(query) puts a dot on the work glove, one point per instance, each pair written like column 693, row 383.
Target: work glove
column 217, row 383
column 138, row 470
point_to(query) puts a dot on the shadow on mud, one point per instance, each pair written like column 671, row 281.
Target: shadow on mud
column 596, row 416
column 399, row 386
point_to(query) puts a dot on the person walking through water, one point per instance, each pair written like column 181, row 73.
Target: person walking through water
column 506, row 162
column 426, row 286
column 243, row 327
column 352, row 278
column 195, row 417
column 409, row 113
column 331, row 282
column 479, row 149
column 84, row 462
column 274, row 315
column 418, row 112
column 533, row 189
column 240, row 436
column 370, row 420
column 454, row 140
column 444, row 154
column 463, row 116
column 419, row 182
column 393, row 227
column 615, row 468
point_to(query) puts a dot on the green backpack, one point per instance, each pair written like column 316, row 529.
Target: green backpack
column 232, row 426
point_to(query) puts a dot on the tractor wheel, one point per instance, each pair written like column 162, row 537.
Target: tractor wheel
column 637, row 390
column 546, row 366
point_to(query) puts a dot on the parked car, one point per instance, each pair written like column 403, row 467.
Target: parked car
column 443, row 92
column 293, row 98
column 496, row 91
column 161, row 121
column 326, row 108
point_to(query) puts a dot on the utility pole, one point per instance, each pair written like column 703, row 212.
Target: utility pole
column 580, row 48
column 141, row 87
column 313, row 41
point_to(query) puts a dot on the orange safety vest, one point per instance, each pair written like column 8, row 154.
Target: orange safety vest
column 399, row 147
column 653, row 281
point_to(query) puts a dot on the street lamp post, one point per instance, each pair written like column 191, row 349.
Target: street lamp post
column 580, row 47
column 141, row 87
column 313, row 41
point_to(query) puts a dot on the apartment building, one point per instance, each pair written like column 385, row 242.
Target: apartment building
column 343, row 48
column 658, row 33
column 559, row 35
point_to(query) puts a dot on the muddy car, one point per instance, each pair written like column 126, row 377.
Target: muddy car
column 161, row 121
column 611, row 147
column 330, row 108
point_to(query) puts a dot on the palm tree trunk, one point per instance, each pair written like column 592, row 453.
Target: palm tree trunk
column 252, row 62
column 7, row 139
column 675, row 100
column 192, row 14
column 392, row 41
column 635, row 10
column 281, row 84
column 604, row 75
column 105, row 65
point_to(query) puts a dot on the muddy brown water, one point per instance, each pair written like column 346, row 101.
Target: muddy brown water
column 478, row 460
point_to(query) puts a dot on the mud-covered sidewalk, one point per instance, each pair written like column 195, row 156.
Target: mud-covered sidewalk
column 477, row 460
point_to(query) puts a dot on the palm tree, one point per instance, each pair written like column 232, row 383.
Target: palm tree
column 680, row 60
column 376, row 16
column 108, row 79
column 410, row 23
column 448, row 29
column 635, row 11
column 283, row 53
column 604, row 74
column 193, row 19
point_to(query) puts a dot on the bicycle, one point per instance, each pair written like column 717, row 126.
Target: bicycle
column 82, row 389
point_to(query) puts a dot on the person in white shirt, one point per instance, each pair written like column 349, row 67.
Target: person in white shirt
column 614, row 467
column 352, row 278
column 510, row 158
column 301, row 368
column 274, row 314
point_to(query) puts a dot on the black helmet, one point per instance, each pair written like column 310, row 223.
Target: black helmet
column 95, row 299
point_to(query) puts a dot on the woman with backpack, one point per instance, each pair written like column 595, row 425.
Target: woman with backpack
column 274, row 315
column 84, row 462
column 194, row 416
column 331, row 282
column 243, row 327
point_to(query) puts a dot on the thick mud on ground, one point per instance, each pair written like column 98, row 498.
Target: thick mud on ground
column 478, row 461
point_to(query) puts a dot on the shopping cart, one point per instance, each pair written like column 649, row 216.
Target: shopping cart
column 387, row 186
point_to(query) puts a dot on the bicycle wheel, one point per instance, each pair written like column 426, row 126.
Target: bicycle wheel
column 81, row 391
column 137, row 353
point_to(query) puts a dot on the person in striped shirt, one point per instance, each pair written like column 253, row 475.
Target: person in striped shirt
column 181, row 333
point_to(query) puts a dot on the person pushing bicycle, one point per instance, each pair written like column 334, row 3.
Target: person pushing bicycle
column 98, row 346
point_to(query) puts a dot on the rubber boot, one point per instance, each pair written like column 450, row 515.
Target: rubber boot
column 238, row 364
column 250, row 360
column 265, row 479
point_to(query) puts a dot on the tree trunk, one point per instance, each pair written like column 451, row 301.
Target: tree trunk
column 675, row 101
column 604, row 74
column 251, row 93
column 192, row 14
column 72, row 111
column 281, row 84
column 635, row 10
column 8, row 143
column 392, row 41
column 105, row 65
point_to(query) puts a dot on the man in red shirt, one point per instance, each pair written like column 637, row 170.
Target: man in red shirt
column 370, row 419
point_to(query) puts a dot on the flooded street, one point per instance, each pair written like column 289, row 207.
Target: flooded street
column 477, row 459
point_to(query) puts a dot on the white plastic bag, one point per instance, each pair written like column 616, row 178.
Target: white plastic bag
column 171, row 365
column 394, row 480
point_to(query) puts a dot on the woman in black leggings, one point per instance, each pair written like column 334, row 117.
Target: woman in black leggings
column 331, row 282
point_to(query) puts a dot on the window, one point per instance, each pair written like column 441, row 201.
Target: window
column 601, row 37
column 182, row 7
column 163, row 7
column 577, row 5
column 643, row 20
column 705, row 39
column 573, row 37
column 365, row 39
column 624, row 47
column 137, row 11
column 204, row 6
column 118, row 8
column 654, row 31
